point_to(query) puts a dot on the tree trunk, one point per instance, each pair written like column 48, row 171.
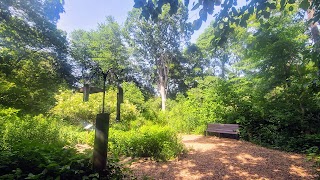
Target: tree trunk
column 223, row 66
column 313, row 25
column 163, row 96
column 163, row 72
column 314, row 33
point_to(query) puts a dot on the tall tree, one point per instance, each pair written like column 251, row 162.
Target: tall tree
column 33, row 53
column 108, row 47
column 102, row 48
column 159, row 43
column 221, row 56
column 30, row 26
column 229, row 12
column 80, row 52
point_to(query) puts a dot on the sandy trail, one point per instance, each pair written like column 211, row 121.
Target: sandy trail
column 220, row 158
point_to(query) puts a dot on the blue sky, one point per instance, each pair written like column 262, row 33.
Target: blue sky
column 86, row 14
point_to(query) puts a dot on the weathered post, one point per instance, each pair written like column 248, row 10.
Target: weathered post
column 119, row 101
column 102, row 130
column 86, row 92
column 101, row 142
column 101, row 135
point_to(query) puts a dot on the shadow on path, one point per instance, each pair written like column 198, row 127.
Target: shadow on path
column 220, row 158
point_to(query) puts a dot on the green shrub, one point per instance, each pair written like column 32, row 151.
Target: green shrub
column 153, row 107
column 133, row 95
column 30, row 160
column 157, row 142
column 40, row 129
column 70, row 106
column 35, row 147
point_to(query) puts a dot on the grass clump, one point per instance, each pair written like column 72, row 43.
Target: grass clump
column 154, row 141
column 39, row 147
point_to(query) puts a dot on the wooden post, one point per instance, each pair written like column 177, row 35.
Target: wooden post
column 101, row 142
column 86, row 92
column 119, row 101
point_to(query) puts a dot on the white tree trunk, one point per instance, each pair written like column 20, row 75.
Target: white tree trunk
column 313, row 25
column 163, row 72
column 315, row 33
column 163, row 96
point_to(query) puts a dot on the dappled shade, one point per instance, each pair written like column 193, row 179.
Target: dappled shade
column 220, row 158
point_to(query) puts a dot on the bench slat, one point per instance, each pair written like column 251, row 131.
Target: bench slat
column 223, row 128
column 223, row 125
column 224, row 132
column 227, row 130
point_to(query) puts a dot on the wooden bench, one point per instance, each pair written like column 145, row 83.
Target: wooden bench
column 231, row 130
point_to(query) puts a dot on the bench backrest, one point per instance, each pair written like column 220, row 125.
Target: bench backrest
column 231, row 127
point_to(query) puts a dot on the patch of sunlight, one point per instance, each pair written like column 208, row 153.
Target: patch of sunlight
column 224, row 160
column 249, row 159
column 231, row 167
column 241, row 173
column 299, row 171
column 276, row 170
column 164, row 166
column 247, row 175
column 292, row 156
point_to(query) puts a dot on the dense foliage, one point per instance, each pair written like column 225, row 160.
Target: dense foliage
column 156, row 47
column 262, row 75
column 157, row 142
column 40, row 147
column 136, row 135
column 33, row 54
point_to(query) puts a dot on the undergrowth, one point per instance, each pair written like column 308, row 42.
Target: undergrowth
column 158, row 142
column 39, row 147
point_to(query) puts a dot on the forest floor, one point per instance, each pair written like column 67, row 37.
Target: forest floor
column 221, row 158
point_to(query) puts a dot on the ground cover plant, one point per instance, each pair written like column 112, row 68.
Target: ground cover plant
column 257, row 66
column 41, row 147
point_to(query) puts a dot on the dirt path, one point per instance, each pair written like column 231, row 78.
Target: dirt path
column 215, row 158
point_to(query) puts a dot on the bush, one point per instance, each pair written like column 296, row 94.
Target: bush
column 35, row 147
column 157, row 142
column 41, row 161
column 133, row 95
column 39, row 129
column 70, row 106
column 313, row 153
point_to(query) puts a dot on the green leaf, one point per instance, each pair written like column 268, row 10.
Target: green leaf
column 251, row 10
column 203, row 15
column 282, row 4
column 209, row 5
column 234, row 11
column 292, row 1
column 195, row 7
column 217, row 2
column 266, row 14
column 145, row 13
column 186, row 3
column 197, row 24
column 291, row 8
column 245, row 17
column 304, row 5
column 139, row 3
column 272, row 6
column 243, row 23
column 221, row 25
